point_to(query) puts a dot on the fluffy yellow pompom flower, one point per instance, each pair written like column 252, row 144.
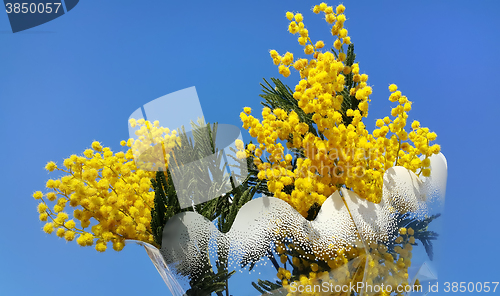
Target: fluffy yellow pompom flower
column 330, row 18
column 337, row 44
column 393, row 88
column 48, row 228
column 239, row 144
column 287, row 59
column 340, row 9
column 69, row 236
column 431, row 136
column 298, row 17
column 341, row 18
column 60, row 232
column 118, row 245
column 309, row 49
column 38, row 195
column 302, row 40
column 289, row 15
column 283, row 70
column 343, row 33
column 273, row 53
column 42, row 207
column 293, row 28
column 241, row 155
column 415, row 124
column 51, row 196
column 101, row 247
column 70, row 224
column 51, row 166
column 96, row 146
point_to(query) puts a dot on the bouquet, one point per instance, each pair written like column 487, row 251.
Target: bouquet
column 315, row 204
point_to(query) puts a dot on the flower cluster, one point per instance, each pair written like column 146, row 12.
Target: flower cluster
column 387, row 266
column 111, row 191
column 152, row 144
column 310, row 48
column 310, row 142
column 336, row 149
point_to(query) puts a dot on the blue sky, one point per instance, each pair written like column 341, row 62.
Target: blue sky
column 78, row 78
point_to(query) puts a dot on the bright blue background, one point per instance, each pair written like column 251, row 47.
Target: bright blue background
column 77, row 79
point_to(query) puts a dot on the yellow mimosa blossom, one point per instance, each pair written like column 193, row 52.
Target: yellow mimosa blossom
column 109, row 194
column 341, row 152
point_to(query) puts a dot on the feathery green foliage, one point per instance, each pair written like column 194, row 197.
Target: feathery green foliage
column 421, row 231
column 221, row 210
